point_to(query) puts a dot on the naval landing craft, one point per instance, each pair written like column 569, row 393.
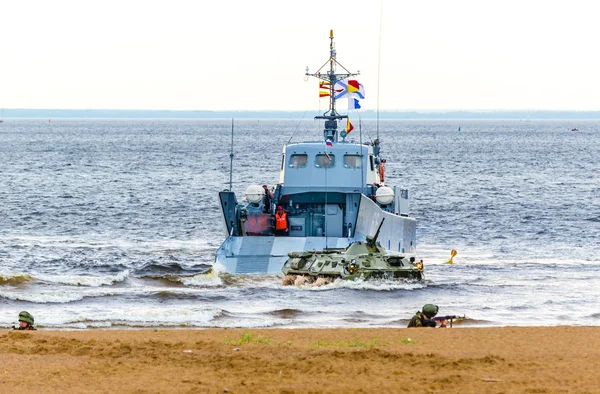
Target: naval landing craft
column 332, row 190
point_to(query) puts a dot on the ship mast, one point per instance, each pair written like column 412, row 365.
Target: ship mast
column 331, row 116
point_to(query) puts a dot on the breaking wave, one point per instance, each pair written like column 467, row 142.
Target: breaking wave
column 360, row 284
column 83, row 280
column 51, row 297
column 169, row 270
column 211, row 278
column 140, row 317
column 13, row 278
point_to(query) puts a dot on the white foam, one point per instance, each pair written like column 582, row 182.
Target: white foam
column 219, row 268
column 359, row 284
column 275, row 282
column 210, row 279
column 42, row 297
column 257, row 281
column 71, row 294
column 134, row 316
column 82, row 280
column 246, row 323
column 379, row 285
column 61, row 295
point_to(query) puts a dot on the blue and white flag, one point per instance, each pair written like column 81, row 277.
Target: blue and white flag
column 353, row 103
column 348, row 88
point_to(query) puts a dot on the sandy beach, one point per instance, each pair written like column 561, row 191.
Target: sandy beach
column 465, row 360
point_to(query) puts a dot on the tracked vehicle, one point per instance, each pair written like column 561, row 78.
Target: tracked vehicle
column 359, row 260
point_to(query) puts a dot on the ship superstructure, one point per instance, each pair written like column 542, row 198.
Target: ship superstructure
column 332, row 190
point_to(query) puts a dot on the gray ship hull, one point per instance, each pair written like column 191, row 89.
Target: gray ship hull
column 267, row 254
column 330, row 193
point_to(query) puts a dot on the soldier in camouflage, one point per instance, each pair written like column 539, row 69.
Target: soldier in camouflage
column 25, row 321
column 425, row 317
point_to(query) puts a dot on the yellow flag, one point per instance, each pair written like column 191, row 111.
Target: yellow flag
column 349, row 126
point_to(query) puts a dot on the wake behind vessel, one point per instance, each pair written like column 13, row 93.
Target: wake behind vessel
column 332, row 190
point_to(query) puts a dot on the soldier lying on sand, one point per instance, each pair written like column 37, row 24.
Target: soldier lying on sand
column 25, row 321
column 425, row 318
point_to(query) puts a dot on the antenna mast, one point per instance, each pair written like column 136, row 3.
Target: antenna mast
column 379, row 63
column 231, row 160
column 331, row 116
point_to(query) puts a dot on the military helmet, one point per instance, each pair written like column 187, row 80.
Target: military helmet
column 26, row 317
column 430, row 310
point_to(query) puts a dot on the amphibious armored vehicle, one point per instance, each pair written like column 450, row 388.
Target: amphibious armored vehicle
column 364, row 260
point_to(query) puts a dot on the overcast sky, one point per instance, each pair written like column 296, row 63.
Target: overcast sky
column 252, row 55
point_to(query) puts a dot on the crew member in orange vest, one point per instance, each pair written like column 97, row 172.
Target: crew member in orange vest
column 281, row 223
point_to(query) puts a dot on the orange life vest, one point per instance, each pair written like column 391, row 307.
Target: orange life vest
column 280, row 221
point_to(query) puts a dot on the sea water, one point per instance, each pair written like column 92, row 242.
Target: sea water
column 115, row 223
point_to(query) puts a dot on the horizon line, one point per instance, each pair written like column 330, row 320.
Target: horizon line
column 440, row 110
column 499, row 114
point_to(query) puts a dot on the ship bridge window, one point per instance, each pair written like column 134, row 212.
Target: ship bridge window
column 352, row 161
column 324, row 161
column 298, row 160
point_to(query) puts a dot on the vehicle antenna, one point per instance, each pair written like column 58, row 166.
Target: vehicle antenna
column 363, row 167
column 379, row 62
column 297, row 127
column 231, row 160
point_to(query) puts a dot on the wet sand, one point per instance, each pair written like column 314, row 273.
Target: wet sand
column 458, row 360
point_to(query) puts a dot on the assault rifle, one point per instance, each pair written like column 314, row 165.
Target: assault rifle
column 449, row 317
